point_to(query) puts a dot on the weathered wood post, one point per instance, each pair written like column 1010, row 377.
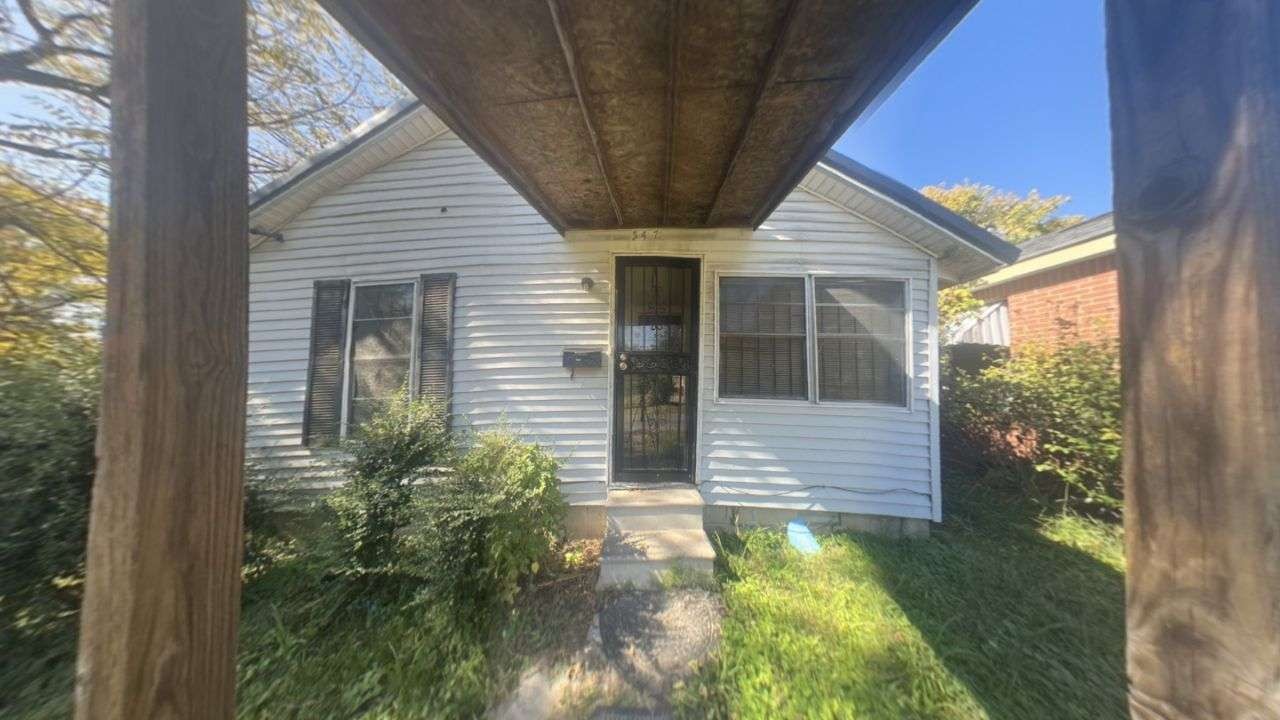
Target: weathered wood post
column 1195, row 110
column 162, row 598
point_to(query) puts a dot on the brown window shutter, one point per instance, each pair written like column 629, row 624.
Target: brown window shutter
column 322, row 414
column 435, row 343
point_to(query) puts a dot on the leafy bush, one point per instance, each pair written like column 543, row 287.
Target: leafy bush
column 491, row 522
column 47, row 428
column 394, row 451
column 1052, row 410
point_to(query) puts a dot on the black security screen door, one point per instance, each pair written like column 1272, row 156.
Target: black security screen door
column 655, row 365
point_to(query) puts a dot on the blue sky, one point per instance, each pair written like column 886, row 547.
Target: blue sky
column 1015, row 97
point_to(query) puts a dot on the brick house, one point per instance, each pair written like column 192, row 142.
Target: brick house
column 1061, row 289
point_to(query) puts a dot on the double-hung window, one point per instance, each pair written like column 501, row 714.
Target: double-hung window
column 380, row 358
column 818, row 338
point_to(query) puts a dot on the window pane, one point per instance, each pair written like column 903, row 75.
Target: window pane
column 381, row 348
column 384, row 301
column 378, row 378
column 363, row 410
column 654, row 410
column 762, row 338
column 656, row 309
column 381, row 338
column 861, row 327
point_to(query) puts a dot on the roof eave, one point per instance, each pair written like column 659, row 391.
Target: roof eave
column 983, row 251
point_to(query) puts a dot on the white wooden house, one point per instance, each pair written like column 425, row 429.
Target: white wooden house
column 786, row 370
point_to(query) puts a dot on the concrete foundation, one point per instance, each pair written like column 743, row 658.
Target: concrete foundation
column 720, row 517
column 584, row 522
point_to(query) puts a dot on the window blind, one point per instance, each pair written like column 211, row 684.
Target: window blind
column 762, row 338
column 861, row 333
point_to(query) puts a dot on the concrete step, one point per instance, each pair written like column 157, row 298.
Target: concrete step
column 640, row 559
column 656, row 509
column 649, row 574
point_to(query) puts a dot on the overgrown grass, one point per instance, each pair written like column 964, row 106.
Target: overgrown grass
column 1000, row 614
column 319, row 646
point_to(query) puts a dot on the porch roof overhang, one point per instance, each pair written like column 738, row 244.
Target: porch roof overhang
column 617, row 113
column 963, row 250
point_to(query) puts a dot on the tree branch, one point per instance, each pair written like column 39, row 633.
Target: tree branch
column 43, row 152
column 17, row 72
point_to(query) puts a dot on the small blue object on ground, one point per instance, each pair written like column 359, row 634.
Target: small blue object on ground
column 801, row 537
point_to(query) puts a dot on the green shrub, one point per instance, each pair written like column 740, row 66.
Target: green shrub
column 488, row 525
column 47, row 427
column 271, row 513
column 393, row 452
column 1055, row 411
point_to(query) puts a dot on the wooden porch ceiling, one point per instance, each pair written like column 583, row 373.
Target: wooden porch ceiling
column 642, row 113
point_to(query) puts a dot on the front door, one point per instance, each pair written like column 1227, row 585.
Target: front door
column 655, row 369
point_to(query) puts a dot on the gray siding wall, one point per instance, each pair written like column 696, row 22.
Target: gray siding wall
column 520, row 301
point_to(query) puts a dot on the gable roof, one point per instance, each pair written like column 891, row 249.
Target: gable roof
column 383, row 137
column 964, row 250
column 1084, row 241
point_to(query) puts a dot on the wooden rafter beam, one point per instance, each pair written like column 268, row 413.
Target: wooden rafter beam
column 780, row 44
column 902, row 55
column 560, row 18
column 674, row 12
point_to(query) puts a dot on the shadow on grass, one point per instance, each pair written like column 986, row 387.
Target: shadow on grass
column 1033, row 626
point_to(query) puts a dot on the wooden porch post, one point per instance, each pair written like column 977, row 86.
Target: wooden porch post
column 161, row 603
column 1195, row 110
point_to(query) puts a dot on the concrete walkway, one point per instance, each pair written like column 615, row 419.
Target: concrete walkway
column 642, row 644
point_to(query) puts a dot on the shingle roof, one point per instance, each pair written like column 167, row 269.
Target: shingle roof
column 1083, row 232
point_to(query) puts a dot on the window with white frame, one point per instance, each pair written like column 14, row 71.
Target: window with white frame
column 762, row 338
column 381, row 351
column 861, row 339
column 854, row 329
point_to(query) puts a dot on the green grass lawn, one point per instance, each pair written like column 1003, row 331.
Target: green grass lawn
column 999, row 614
column 313, row 646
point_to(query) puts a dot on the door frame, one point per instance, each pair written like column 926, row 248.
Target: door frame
column 694, row 419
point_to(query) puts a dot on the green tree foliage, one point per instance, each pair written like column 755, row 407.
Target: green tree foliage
column 47, row 427
column 1055, row 411
column 52, row 271
column 1011, row 216
column 955, row 305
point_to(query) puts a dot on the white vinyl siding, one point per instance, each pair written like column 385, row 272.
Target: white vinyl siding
column 520, row 302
